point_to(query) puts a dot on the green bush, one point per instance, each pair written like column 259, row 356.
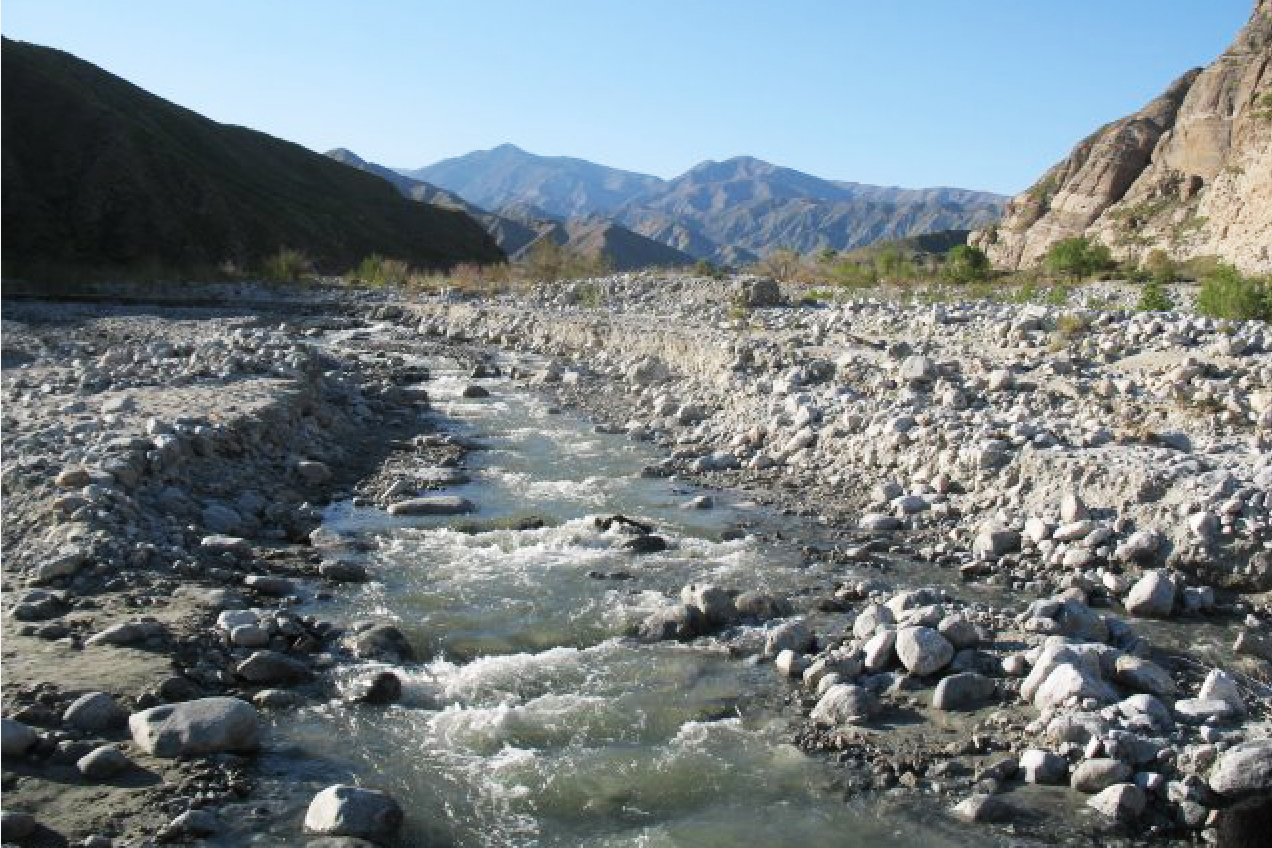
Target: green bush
column 286, row 266
column 966, row 264
column 1154, row 298
column 1078, row 257
column 375, row 270
column 1226, row 294
column 1161, row 267
column 703, row 268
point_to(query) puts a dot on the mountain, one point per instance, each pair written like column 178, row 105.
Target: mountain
column 517, row 227
column 1190, row 173
column 722, row 211
column 751, row 204
column 98, row 174
column 561, row 186
column 623, row 249
column 511, row 234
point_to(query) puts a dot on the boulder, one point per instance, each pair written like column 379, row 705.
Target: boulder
column 433, row 505
column 714, row 603
column 845, row 703
column 1043, row 767
column 982, row 808
column 272, row 667
column 374, row 641
column 1152, row 596
column 16, row 738
column 962, row 691
column 871, row 618
column 1243, row 769
column 793, row 635
column 351, row 811
column 922, row 650
column 194, row 728
column 1071, row 681
column 94, row 713
column 681, row 622
column 757, row 606
column 1098, row 774
column 1141, row 675
column 1121, row 801
column 103, row 763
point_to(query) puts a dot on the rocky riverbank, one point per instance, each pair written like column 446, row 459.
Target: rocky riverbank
column 1108, row 470
column 1089, row 488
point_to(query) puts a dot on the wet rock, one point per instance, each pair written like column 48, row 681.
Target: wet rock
column 715, row 604
column 1096, row 775
column 680, row 622
column 922, row 650
column 103, row 763
column 1245, row 824
column 272, row 667
column 877, row 522
column 343, row 571
column 794, row 635
column 16, row 826
column 384, row 687
column 221, row 544
column 958, row 631
column 16, row 738
column 1043, row 767
column 645, row 544
column 472, row 390
column 1121, row 801
column 385, row 642
column 1153, row 596
column 790, row 663
column 1244, row 768
column 96, row 712
column 433, row 505
column 845, row 703
column 1068, row 681
column 313, row 473
column 962, row 691
column 757, row 606
column 191, row 824
column 350, row 811
column 983, row 809
column 274, row 587
column 194, row 728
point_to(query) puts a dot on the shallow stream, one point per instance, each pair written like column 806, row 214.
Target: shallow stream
column 538, row 720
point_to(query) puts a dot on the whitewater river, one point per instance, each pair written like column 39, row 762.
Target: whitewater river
column 539, row 721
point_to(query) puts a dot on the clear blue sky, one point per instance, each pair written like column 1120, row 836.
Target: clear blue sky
column 979, row 94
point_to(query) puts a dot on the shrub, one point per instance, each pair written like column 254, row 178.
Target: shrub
column 1161, row 267
column 784, row 265
column 1070, row 327
column 1154, row 298
column 1078, row 257
column 375, row 270
column 1225, row 293
column 286, row 266
column 548, row 261
column 966, row 264
column 704, row 268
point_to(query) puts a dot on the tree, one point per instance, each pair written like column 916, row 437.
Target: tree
column 966, row 264
column 784, row 264
column 1078, row 257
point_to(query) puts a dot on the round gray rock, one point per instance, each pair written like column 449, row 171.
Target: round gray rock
column 922, row 650
column 350, row 811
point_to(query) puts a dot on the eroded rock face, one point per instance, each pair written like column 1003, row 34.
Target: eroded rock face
column 1190, row 173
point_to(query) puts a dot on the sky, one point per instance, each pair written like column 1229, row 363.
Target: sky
column 984, row 94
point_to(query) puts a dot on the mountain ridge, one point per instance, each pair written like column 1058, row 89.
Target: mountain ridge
column 740, row 206
column 100, row 174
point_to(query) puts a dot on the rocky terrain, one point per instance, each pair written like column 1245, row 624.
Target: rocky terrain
column 1067, row 509
column 1190, row 173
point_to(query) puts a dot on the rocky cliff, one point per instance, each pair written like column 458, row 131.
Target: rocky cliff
column 1190, row 173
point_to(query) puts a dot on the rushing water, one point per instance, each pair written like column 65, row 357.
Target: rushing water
column 538, row 722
